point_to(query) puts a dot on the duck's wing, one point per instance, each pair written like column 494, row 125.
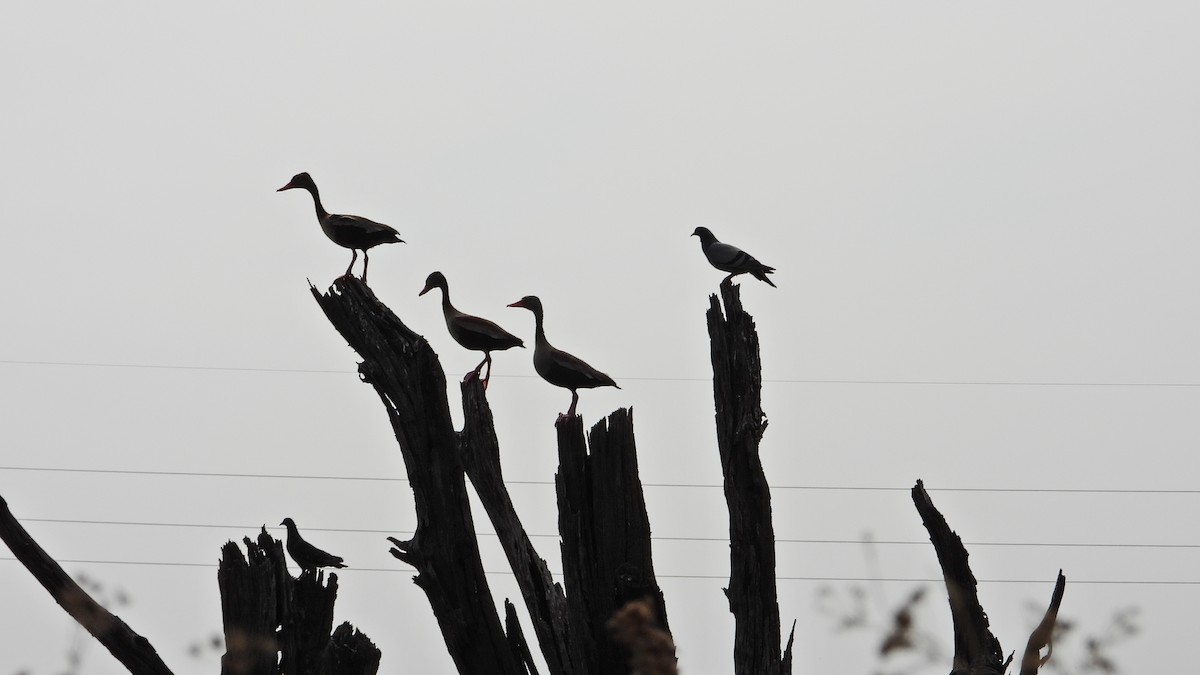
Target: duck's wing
column 356, row 229
column 474, row 332
column 568, row 370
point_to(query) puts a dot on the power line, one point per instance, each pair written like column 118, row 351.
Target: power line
column 152, row 366
column 924, row 383
column 395, row 479
column 723, row 577
column 781, row 540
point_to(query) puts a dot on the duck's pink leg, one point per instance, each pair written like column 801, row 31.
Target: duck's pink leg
column 487, row 359
column 353, row 257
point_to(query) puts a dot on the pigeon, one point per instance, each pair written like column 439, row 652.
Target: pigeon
column 472, row 332
column 308, row 557
column 729, row 258
column 558, row 367
column 353, row 232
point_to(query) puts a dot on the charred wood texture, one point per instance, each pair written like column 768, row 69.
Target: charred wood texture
column 737, row 389
column 605, row 535
column 516, row 638
column 408, row 378
column 268, row 613
column 132, row 650
column 544, row 599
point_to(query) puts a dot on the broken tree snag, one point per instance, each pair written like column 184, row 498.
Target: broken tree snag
column 409, row 381
column 250, row 606
column 132, row 650
column 306, row 622
column 544, row 599
column 737, row 390
column 976, row 650
column 1043, row 635
column 605, row 535
column 277, row 624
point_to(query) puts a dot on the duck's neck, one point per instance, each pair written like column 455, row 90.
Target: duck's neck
column 322, row 214
column 447, row 308
column 539, row 333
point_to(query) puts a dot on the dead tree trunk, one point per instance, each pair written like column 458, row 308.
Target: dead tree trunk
column 275, row 624
column 976, row 650
column 605, row 534
column 544, row 599
column 132, row 650
column 737, row 388
column 408, row 378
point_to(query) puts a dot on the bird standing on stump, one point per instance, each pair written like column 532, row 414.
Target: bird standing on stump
column 308, row 557
column 353, row 232
column 558, row 367
column 472, row 332
column 729, row 258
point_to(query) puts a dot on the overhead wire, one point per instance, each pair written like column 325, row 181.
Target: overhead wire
column 397, row 479
column 1119, row 582
column 830, row 381
column 778, row 540
column 938, row 383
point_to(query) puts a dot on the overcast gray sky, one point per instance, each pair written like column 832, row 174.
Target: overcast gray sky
column 998, row 198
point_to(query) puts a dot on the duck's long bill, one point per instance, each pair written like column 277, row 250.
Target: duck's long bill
column 518, row 303
column 289, row 186
column 428, row 287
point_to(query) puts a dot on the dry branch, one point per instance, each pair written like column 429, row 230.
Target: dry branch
column 132, row 650
column 976, row 650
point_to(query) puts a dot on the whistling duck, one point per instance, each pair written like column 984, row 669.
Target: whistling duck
column 308, row 557
column 732, row 259
column 556, row 366
column 353, row 232
column 472, row 332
